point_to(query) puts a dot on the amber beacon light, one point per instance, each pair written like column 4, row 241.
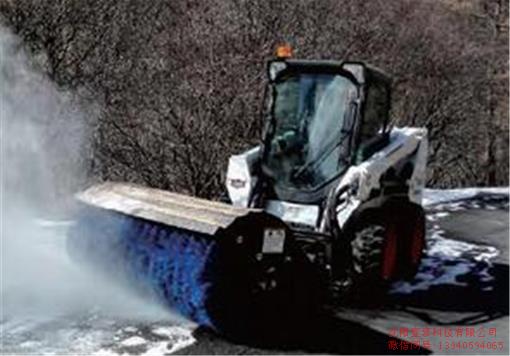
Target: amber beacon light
column 284, row 51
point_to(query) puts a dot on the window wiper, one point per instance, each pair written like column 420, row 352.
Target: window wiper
column 324, row 154
column 346, row 133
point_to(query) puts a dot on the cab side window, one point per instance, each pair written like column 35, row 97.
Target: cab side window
column 375, row 116
column 376, row 111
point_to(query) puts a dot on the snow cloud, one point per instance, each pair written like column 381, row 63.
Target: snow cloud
column 43, row 145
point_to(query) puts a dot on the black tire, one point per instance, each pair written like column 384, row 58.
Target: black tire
column 385, row 248
column 367, row 248
column 367, row 258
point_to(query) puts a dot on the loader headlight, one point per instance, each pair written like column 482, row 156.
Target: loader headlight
column 274, row 240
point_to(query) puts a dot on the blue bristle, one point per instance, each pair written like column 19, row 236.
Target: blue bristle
column 169, row 263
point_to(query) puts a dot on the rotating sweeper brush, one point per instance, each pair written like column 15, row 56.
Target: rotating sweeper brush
column 232, row 269
column 329, row 204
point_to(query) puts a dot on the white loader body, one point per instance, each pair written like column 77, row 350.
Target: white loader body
column 407, row 145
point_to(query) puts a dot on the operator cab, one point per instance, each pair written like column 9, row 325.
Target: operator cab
column 322, row 117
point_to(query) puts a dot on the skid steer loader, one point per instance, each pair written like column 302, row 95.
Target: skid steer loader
column 327, row 206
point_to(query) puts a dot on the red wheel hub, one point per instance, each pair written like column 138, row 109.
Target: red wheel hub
column 403, row 246
column 389, row 253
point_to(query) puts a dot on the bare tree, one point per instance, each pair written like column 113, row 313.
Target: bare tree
column 180, row 84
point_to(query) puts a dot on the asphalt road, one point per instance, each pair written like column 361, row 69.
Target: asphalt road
column 462, row 289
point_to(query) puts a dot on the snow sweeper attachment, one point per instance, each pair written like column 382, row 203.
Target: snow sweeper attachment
column 235, row 270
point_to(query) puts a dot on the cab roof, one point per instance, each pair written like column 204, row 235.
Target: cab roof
column 370, row 73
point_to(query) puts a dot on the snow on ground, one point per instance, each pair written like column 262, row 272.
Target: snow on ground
column 92, row 335
column 436, row 196
column 51, row 306
column 95, row 330
column 447, row 260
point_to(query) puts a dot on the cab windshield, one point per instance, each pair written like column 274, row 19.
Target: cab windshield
column 312, row 121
